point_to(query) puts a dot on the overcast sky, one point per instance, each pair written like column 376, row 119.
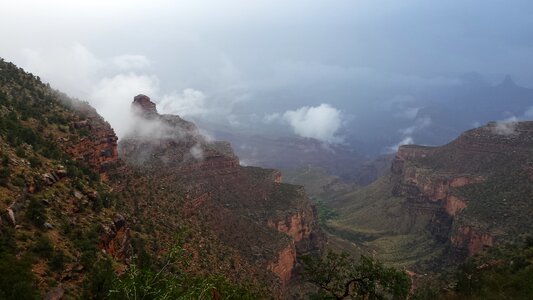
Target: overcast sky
column 280, row 62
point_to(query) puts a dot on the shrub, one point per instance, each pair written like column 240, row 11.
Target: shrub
column 35, row 162
column 339, row 276
column 99, row 281
column 16, row 280
column 43, row 247
column 4, row 176
column 36, row 212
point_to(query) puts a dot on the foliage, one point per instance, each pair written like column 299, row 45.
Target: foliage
column 16, row 279
column 504, row 272
column 43, row 247
column 4, row 176
column 324, row 212
column 36, row 212
column 169, row 282
column 339, row 276
column 99, row 281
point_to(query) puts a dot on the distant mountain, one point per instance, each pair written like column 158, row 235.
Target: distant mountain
column 435, row 115
column 293, row 153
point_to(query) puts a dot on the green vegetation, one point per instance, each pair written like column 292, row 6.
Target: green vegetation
column 324, row 212
column 502, row 200
column 167, row 281
column 339, row 276
column 16, row 279
column 4, row 176
column 504, row 272
column 36, row 212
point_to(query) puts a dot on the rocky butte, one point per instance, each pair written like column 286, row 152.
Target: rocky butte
column 440, row 205
column 266, row 224
column 476, row 189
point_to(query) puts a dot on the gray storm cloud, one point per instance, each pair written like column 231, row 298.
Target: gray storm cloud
column 225, row 61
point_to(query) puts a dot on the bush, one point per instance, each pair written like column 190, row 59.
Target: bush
column 35, row 162
column 43, row 247
column 339, row 276
column 99, row 281
column 4, row 176
column 36, row 212
column 57, row 261
column 16, row 280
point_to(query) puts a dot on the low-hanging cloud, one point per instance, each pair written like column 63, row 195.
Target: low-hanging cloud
column 319, row 122
column 505, row 127
column 405, row 141
column 407, row 133
column 109, row 85
column 189, row 102
column 131, row 61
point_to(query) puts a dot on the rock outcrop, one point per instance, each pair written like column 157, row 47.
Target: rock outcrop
column 447, row 184
column 267, row 222
column 98, row 149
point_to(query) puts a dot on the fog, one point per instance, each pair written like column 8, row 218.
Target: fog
column 330, row 70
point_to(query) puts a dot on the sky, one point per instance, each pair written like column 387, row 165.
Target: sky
column 304, row 66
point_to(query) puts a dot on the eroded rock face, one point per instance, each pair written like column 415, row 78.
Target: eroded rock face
column 116, row 241
column 99, row 149
column 468, row 241
column 430, row 193
column 296, row 226
column 453, row 205
column 435, row 180
column 248, row 207
column 143, row 105
column 284, row 264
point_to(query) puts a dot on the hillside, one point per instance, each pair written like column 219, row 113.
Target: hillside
column 83, row 213
column 267, row 223
column 440, row 205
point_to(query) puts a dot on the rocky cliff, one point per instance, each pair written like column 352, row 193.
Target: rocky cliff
column 468, row 182
column 440, row 205
column 77, row 210
column 267, row 223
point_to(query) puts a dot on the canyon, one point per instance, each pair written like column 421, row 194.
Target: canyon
column 447, row 203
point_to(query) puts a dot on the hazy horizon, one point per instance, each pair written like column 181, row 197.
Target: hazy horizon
column 324, row 70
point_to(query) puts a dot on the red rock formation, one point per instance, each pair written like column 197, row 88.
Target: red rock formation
column 296, row 226
column 143, row 105
column 116, row 240
column 247, row 206
column 284, row 264
column 453, row 205
column 421, row 186
column 466, row 239
column 99, row 149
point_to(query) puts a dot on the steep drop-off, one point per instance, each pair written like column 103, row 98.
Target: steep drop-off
column 443, row 204
column 266, row 223
column 77, row 209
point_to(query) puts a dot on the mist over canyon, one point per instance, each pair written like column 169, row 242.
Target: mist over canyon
column 266, row 150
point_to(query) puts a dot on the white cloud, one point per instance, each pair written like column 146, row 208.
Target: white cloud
column 71, row 69
column 109, row 84
column 419, row 124
column 505, row 127
column 197, row 152
column 320, row 122
column 131, row 61
column 189, row 102
column 407, row 133
column 112, row 97
column 405, row 141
